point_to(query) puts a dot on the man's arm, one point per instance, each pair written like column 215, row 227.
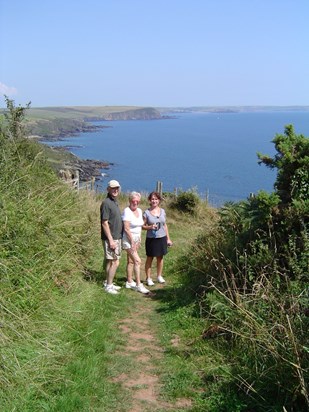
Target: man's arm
column 108, row 234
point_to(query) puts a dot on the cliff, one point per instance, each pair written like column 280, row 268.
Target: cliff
column 58, row 122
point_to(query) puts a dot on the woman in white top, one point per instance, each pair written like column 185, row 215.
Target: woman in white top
column 132, row 217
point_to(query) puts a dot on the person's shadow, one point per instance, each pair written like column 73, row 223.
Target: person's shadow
column 98, row 276
column 93, row 276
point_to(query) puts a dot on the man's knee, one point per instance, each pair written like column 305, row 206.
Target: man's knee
column 114, row 263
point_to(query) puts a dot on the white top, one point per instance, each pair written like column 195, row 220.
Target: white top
column 136, row 223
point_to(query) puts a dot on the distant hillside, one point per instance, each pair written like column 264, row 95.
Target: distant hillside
column 57, row 122
column 232, row 109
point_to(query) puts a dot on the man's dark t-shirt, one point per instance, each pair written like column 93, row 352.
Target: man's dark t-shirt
column 110, row 211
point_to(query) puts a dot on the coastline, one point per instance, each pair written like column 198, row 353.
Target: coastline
column 47, row 125
column 60, row 158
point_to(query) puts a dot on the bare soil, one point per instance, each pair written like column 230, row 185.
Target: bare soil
column 142, row 382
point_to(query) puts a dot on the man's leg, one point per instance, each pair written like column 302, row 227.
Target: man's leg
column 111, row 267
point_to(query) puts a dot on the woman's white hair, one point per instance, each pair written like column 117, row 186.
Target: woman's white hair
column 134, row 194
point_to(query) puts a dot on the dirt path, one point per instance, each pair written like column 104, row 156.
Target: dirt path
column 142, row 347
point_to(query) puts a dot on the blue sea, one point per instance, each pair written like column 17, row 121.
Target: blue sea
column 214, row 154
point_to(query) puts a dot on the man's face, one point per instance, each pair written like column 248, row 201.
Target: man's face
column 113, row 191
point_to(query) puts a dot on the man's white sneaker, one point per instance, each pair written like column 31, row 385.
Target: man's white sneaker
column 130, row 285
column 111, row 289
column 141, row 288
column 115, row 286
column 160, row 279
column 149, row 282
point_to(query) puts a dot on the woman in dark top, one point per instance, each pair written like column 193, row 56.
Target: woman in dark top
column 157, row 238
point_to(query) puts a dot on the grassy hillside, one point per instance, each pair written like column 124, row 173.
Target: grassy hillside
column 55, row 122
column 232, row 320
column 77, row 112
column 58, row 330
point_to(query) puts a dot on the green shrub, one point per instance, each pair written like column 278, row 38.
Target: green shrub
column 187, row 202
column 251, row 279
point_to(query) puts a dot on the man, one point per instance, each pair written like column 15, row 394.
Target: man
column 111, row 233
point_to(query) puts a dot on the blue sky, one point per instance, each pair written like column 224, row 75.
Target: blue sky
column 164, row 53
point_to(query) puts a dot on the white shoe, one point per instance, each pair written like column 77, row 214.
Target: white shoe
column 111, row 289
column 149, row 282
column 141, row 288
column 115, row 286
column 160, row 279
column 130, row 285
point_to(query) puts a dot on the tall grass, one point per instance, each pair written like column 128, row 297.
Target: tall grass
column 260, row 327
column 242, row 328
column 48, row 234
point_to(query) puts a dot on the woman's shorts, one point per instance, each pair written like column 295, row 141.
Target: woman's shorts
column 127, row 245
column 156, row 246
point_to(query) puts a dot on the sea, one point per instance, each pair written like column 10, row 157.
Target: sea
column 214, row 154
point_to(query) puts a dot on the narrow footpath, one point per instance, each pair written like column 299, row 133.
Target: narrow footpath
column 143, row 351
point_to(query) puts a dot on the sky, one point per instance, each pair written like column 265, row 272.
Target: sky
column 164, row 53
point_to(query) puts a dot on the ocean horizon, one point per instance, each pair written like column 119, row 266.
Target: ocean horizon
column 214, row 154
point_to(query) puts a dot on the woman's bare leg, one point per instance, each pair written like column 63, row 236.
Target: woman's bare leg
column 148, row 267
column 130, row 267
column 135, row 263
column 159, row 265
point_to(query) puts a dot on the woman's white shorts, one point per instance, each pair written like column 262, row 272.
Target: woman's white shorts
column 127, row 245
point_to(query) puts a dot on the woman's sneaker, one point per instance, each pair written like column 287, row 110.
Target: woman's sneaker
column 111, row 289
column 160, row 279
column 141, row 288
column 115, row 286
column 149, row 282
column 130, row 285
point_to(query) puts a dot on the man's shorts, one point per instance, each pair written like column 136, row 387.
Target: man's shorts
column 112, row 254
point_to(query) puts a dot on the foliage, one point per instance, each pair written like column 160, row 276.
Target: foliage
column 292, row 164
column 187, row 202
column 291, row 216
column 14, row 119
column 271, row 230
column 241, row 301
column 251, row 276
column 47, row 234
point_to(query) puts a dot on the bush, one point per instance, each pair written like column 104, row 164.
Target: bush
column 187, row 202
column 251, row 277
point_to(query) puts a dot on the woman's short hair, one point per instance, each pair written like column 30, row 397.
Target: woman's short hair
column 156, row 194
column 134, row 194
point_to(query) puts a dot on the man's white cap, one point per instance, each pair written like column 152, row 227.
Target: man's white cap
column 113, row 184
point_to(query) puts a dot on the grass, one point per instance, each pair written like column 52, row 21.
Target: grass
column 59, row 331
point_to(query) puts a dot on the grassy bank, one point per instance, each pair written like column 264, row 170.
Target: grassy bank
column 231, row 322
column 58, row 326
